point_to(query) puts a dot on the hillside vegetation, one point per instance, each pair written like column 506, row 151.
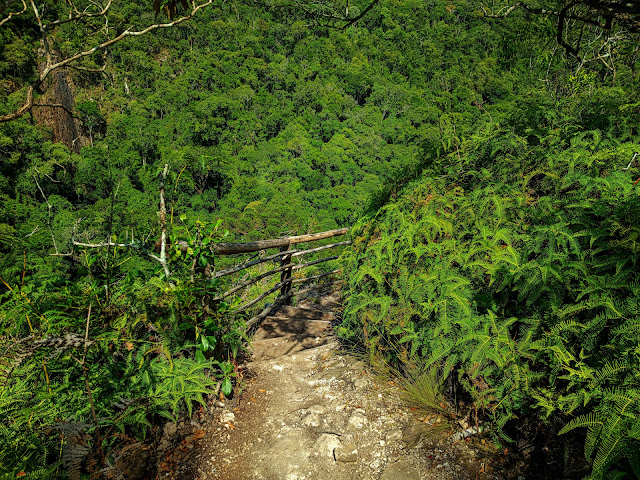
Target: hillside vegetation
column 489, row 171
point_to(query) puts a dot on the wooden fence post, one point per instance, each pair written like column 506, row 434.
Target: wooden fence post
column 286, row 274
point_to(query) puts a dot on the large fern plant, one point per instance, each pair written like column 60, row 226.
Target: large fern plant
column 520, row 277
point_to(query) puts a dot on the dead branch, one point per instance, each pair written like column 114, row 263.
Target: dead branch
column 89, row 70
column 338, row 18
column 272, row 272
column 79, row 16
column 51, row 66
column 49, row 208
column 599, row 13
column 105, row 244
column 10, row 15
column 55, row 105
column 358, row 17
column 163, row 225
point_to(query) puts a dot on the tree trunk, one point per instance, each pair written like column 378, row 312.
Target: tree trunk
column 55, row 110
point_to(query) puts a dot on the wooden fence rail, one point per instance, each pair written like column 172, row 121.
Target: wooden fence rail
column 284, row 256
column 248, row 247
column 285, row 268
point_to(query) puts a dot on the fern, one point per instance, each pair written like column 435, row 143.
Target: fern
column 179, row 387
column 523, row 282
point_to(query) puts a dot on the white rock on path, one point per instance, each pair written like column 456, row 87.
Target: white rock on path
column 357, row 421
column 326, row 444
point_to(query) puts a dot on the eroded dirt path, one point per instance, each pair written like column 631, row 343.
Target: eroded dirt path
column 310, row 411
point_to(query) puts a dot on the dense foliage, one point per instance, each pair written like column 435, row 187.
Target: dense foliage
column 510, row 263
column 508, row 260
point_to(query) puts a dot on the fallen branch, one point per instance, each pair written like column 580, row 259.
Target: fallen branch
column 248, row 247
column 456, row 437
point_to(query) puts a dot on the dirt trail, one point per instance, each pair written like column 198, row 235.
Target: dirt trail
column 310, row 411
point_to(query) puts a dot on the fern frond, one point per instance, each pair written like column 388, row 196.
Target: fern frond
column 75, row 447
column 609, row 370
column 590, row 420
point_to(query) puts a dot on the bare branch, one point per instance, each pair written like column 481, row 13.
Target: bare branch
column 364, row 12
column 105, row 244
column 89, row 70
column 122, row 36
column 79, row 16
column 55, row 105
column 28, row 103
column 163, row 224
column 331, row 16
column 508, row 10
column 599, row 13
column 560, row 31
column 45, row 40
column 12, row 14
column 33, row 231
column 51, row 65
column 49, row 207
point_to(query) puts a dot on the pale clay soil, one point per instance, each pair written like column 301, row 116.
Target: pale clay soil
column 312, row 411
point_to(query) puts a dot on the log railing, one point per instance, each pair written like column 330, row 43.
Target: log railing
column 285, row 267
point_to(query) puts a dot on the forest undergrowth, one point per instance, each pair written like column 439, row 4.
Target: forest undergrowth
column 509, row 266
column 92, row 369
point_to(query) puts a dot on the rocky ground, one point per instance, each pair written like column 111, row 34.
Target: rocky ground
column 312, row 411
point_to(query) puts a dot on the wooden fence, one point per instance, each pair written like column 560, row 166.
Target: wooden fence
column 285, row 268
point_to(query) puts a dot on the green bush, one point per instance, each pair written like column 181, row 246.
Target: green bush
column 520, row 278
column 86, row 366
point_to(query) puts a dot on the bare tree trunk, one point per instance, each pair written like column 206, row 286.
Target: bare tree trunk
column 55, row 109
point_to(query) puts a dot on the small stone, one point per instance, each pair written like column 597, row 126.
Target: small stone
column 357, row 421
column 312, row 420
column 361, row 383
column 346, row 453
column 227, row 417
column 394, row 435
column 326, row 444
column 401, row 470
column 412, row 434
column 319, row 409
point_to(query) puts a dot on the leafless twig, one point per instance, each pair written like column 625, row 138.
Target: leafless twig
column 51, row 65
column 49, row 207
column 13, row 14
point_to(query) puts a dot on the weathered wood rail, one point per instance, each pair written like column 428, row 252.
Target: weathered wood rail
column 285, row 268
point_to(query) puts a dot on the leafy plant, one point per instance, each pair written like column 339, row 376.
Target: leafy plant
column 521, row 280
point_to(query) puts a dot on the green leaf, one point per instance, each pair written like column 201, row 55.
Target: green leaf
column 226, row 367
column 200, row 356
column 226, row 386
